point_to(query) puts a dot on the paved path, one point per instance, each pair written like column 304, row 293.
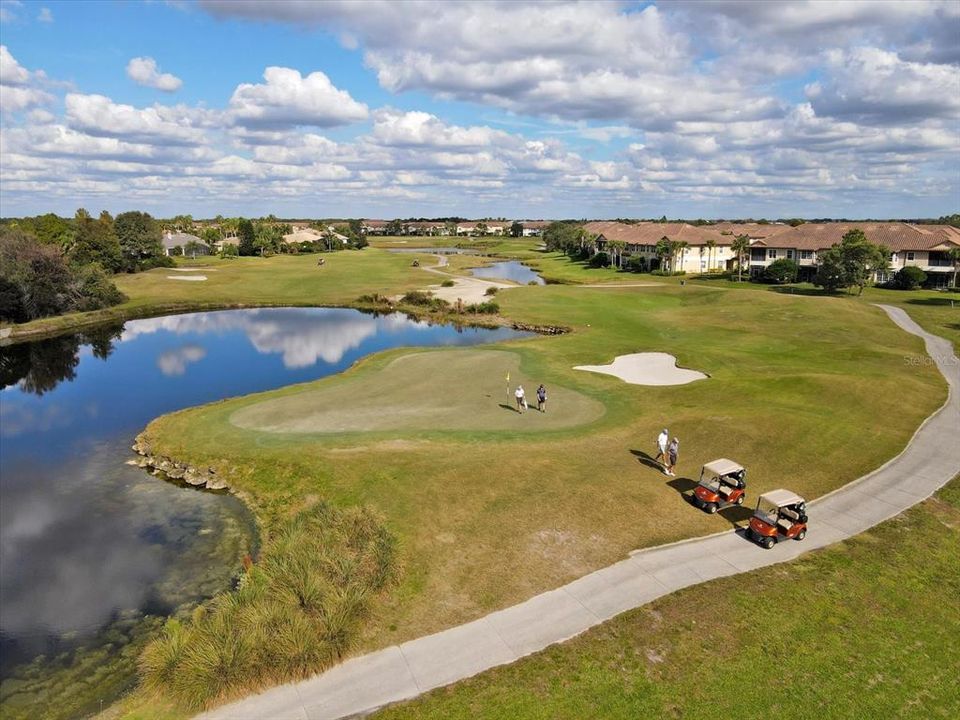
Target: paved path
column 365, row 683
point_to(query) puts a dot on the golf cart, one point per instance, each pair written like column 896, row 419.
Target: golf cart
column 780, row 515
column 722, row 483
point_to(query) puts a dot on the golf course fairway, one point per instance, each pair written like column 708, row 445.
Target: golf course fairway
column 438, row 390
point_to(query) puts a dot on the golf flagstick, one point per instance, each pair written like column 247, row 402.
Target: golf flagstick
column 508, row 386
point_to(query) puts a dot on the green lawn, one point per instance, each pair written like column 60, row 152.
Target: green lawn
column 864, row 629
column 251, row 281
column 487, row 517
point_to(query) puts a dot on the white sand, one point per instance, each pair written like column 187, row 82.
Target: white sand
column 194, row 278
column 470, row 290
column 651, row 368
column 186, row 269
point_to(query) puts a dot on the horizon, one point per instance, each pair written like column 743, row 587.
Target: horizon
column 842, row 110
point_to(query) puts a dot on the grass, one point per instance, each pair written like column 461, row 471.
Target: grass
column 794, row 392
column 279, row 280
column 404, row 395
column 295, row 612
column 859, row 630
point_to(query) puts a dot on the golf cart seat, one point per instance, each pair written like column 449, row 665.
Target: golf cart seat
column 725, row 490
column 784, row 524
column 791, row 514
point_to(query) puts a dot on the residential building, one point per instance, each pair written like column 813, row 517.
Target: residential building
column 180, row 240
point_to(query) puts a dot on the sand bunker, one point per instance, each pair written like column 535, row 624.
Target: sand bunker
column 190, row 269
column 651, row 368
column 193, row 278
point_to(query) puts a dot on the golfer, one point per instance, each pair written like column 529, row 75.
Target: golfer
column 542, row 398
column 673, row 450
column 662, row 439
column 521, row 398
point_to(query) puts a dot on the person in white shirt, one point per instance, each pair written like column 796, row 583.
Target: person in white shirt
column 662, row 439
column 521, row 399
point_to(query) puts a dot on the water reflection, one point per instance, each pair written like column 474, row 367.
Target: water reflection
column 85, row 539
column 512, row 270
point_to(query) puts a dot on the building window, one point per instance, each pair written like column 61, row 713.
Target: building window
column 806, row 254
column 911, row 256
column 789, row 254
column 771, row 254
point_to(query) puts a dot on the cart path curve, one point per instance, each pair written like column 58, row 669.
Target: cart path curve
column 362, row 684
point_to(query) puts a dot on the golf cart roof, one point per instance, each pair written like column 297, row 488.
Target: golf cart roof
column 779, row 498
column 722, row 466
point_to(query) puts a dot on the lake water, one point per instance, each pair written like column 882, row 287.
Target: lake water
column 512, row 270
column 88, row 543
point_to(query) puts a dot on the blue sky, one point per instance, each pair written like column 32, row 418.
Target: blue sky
column 383, row 109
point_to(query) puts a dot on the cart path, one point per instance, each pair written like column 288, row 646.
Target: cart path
column 362, row 684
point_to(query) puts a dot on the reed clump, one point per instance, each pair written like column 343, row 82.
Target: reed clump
column 293, row 613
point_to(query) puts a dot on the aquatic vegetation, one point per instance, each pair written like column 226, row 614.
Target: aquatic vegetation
column 294, row 613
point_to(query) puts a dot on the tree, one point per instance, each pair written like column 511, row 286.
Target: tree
column 52, row 229
column 481, row 228
column 665, row 249
column 679, row 246
column 954, row 256
column 95, row 241
column 516, row 230
column 193, row 248
column 740, row 247
column 909, row 278
column 852, row 262
column 781, row 271
column 139, row 237
column 247, row 236
column 616, row 248
column 711, row 244
column 394, row 227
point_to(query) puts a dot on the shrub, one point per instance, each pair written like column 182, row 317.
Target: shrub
column 491, row 291
column 157, row 261
column 637, row 264
column 600, row 259
column 293, row 614
column 781, row 271
column 96, row 290
column 447, row 283
column 668, row 273
column 176, row 250
column 909, row 278
column 374, row 299
column 424, row 299
column 229, row 251
column 484, row 308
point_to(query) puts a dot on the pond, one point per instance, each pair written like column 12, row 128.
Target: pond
column 511, row 270
column 88, row 544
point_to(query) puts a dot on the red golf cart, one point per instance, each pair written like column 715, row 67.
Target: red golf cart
column 780, row 515
column 722, row 483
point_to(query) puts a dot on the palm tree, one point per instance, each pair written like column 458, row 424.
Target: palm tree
column 711, row 244
column 954, row 255
column 616, row 248
column 680, row 246
column 740, row 247
column 665, row 248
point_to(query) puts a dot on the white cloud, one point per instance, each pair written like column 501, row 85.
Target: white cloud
column 99, row 115
column 144, row 71
column 17, row 85
column 45, row 15
column 8, row 10
column 289, row 99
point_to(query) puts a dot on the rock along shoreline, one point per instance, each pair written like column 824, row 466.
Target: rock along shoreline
column 206, row 478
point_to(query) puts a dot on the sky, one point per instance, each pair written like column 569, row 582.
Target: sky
column 396, row 108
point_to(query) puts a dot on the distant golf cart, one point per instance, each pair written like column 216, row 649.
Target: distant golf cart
column 780, row 515
column 722, row 483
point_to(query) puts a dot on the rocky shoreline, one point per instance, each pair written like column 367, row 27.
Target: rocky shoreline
column 171, row 469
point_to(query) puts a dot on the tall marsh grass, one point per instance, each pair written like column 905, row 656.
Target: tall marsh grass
column 294, row 613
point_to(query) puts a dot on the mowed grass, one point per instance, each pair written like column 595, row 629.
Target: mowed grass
column 405, row 395
column 863, row 629
column 808, row 393
column 253, row 281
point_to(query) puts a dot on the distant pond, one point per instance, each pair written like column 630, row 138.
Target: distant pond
column 511, row 270
column 90, row 545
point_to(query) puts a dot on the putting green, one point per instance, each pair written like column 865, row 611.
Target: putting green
column 433, row 390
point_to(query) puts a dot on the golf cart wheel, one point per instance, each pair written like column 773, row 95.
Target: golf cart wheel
column 740, row 500
column 802, row 534
column 768, row 542
column 711, row 508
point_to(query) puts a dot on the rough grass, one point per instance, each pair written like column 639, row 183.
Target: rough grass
column 860, row 630
column 487, row 518
column 294, row 613
column 439, row 390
